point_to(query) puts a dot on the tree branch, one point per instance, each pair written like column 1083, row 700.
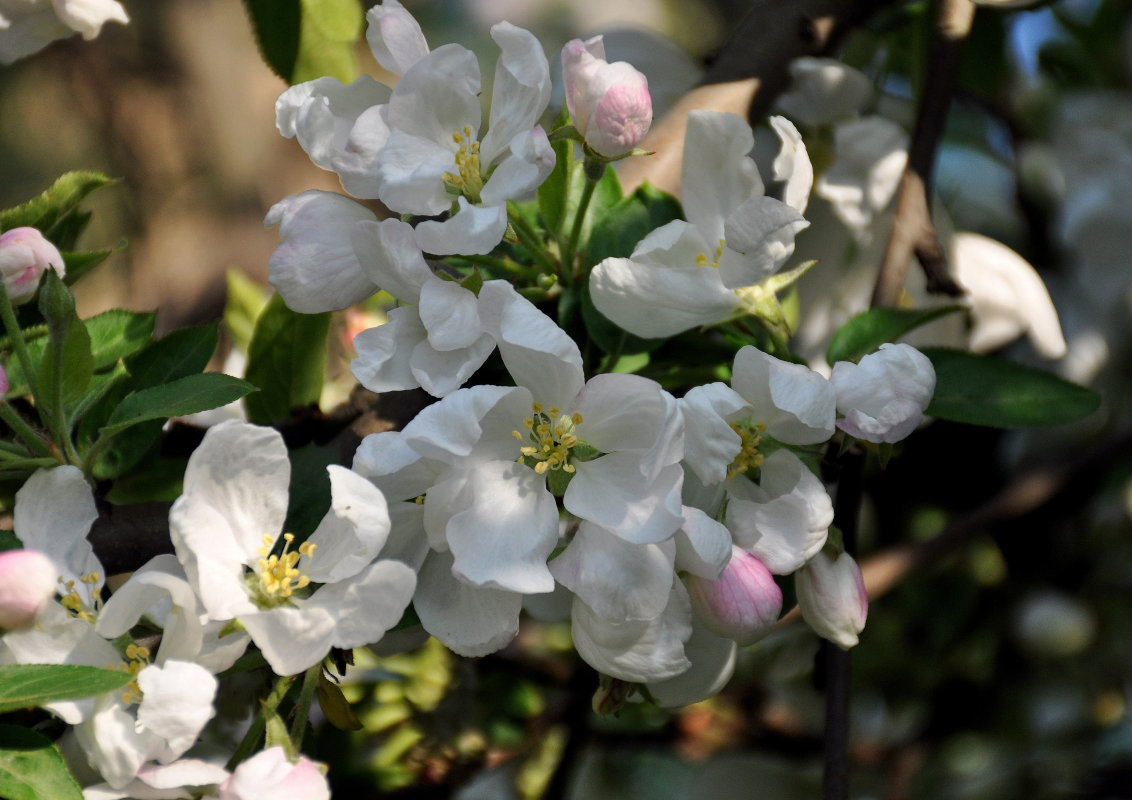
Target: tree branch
column 913, row 233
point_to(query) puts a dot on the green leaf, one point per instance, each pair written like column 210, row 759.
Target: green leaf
column 117, row 333
column 30, row 685
column 67, row 364
column 80, row 263
column 188, row 395
column 982, row 390
column 552, row 193
column 52, row 208
column 182, row 352
column 306, row 39
column 246, row 301
column 626, row 223
column 158, row 479
column 32, row 768
column 865, row 332
column 9, row 541
column 286, row 361
column 277, row 24
column 310, row 487
column 99, row 387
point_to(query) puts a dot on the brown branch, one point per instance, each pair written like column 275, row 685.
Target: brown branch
column 913, row 233
column 750, row 72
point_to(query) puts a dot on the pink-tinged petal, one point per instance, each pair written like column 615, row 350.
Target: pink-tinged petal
column 617, row 580
column 471, row 230
column 717, row 175
column 762, row 231
column 176, row 703
column 713, row 663
column 315, row 267
column 503, row 538
column 792, row 165
column 520, row 92
column 292, row 639
column 270, row 775
column 235, row 493
column 636, row 650
column 796, row 403
column 28, row 580
column 883, row 397
column 353, row 531
column 654, row 302
column 388, row 254
column 384, row 360
column 609, row 104
column 395, row 37
column 703, row 545
column 612, row 492
column 538, row 354
column 743, row 604
column 710, row 443
column 321, row 113
column 450, row 315
column 368, row 604
column 25, row 254
column 53, row 514
column 470, row 621
column 831, row 594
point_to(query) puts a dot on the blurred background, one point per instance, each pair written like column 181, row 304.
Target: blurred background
column 1001, row 670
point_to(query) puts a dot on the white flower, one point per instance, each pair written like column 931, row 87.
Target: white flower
column 884, row 396
column 30, row 25
column 269, row 775
column 714, row 266
column 869, row 159
column 160, row 781
column 227, row 522
column 608, row 103
column 832, row 597
column 824, row 91
column 27, row 583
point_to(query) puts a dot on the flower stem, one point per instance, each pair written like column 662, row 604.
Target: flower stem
column 59, row 414
column 504, row 266
column 16, row 339
column 251, row 738
column 576, row 231
column 23, row 430
column 303, row 707
column 531, row 241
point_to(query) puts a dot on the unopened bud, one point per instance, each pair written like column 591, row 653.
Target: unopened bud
column 884, row 396
column 24, row 255
column 270, row 774
column 831, row 594
column 743, row 604
column 28, row 581
column 609, row 103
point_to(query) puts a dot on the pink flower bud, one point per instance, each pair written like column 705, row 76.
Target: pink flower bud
column 609, row 103
column 28, row 581
column 831, row 594
column 24, row 255
column 884, row 396
column 268, row 775
column 743, row 604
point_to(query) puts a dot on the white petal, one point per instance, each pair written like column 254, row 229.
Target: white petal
column 636, row 650
column 613, row 493
column 883, row 397
column 522, row 171
column 713, row 663
column 451, row 429
column 292, row 639
column 703, row 545
column 869, row 159
column 521, row 89
column 53, row 514
column 389, row 256
column 441, row 372
column 357, row 161
column 315, row 267
column 321, row 114
column 407, row 541
column 621, row 412
column 395, row 37
column 368, row 604
column 762, row 230
column 450, row 315
column 792, row 165
column 796, row 403
column 538, row 354
column 176, row 703
column 717, row 176
column 469, row 621
column 617, row 580
column 823, row 91
column 235, row 493
column 408, row 174
column 112, row 743
column 352, row 532
column 503, row 538
column 711, row 445
column 394, row 467
column 471, row 230
column 384, row 361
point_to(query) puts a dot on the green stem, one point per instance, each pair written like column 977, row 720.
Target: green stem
column 251, row 738
column 16, row 339
column 531, row 241
column 303, row 707
column 23, row 430
column 14, row 449
column 59, row 413
column 576, row 231
column 500, row 265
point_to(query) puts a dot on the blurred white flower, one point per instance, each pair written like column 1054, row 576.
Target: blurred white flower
column 27, row 26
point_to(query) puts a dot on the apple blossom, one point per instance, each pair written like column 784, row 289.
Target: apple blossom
column 24, row 254
column 743, row 604
column 608, row 103
column 27, row 582
column 882, row 398
column 27, row 26
column 869, row 158
column 824, row 91
column 831, row 594
column 269, row 775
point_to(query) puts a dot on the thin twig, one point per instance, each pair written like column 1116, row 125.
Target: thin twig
column 913, row 233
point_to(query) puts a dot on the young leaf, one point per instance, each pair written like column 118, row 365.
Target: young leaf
column 30, row 685
column 182, row 352
column 51, row 208
column 306, row 39
column 981, row 390
column 187, row 395
column 865, row 332
column 117, row 333
column 32, row 768
column 80, row 263
column 286, row 361
column 621, row 227
column 553, row 192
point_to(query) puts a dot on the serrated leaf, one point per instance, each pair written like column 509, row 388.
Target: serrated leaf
column 277, row 24
column 51, row 208
column 865, row 332
column 334, row 705
column 80, row 263
column 182, row 352
column 306, row 39
column 32, row 768
column 158, row 479
column 188, row 395
column 100, row 385
column 982, row 390
column 30, row 685
column 286, row 361
column 118, row 333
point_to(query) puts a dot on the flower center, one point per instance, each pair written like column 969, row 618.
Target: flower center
column 137, row 659
column 552, row 435
column 73, row 602
column 469, row 182
column 702, row 259
column 279, row 575
column 749, row 455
